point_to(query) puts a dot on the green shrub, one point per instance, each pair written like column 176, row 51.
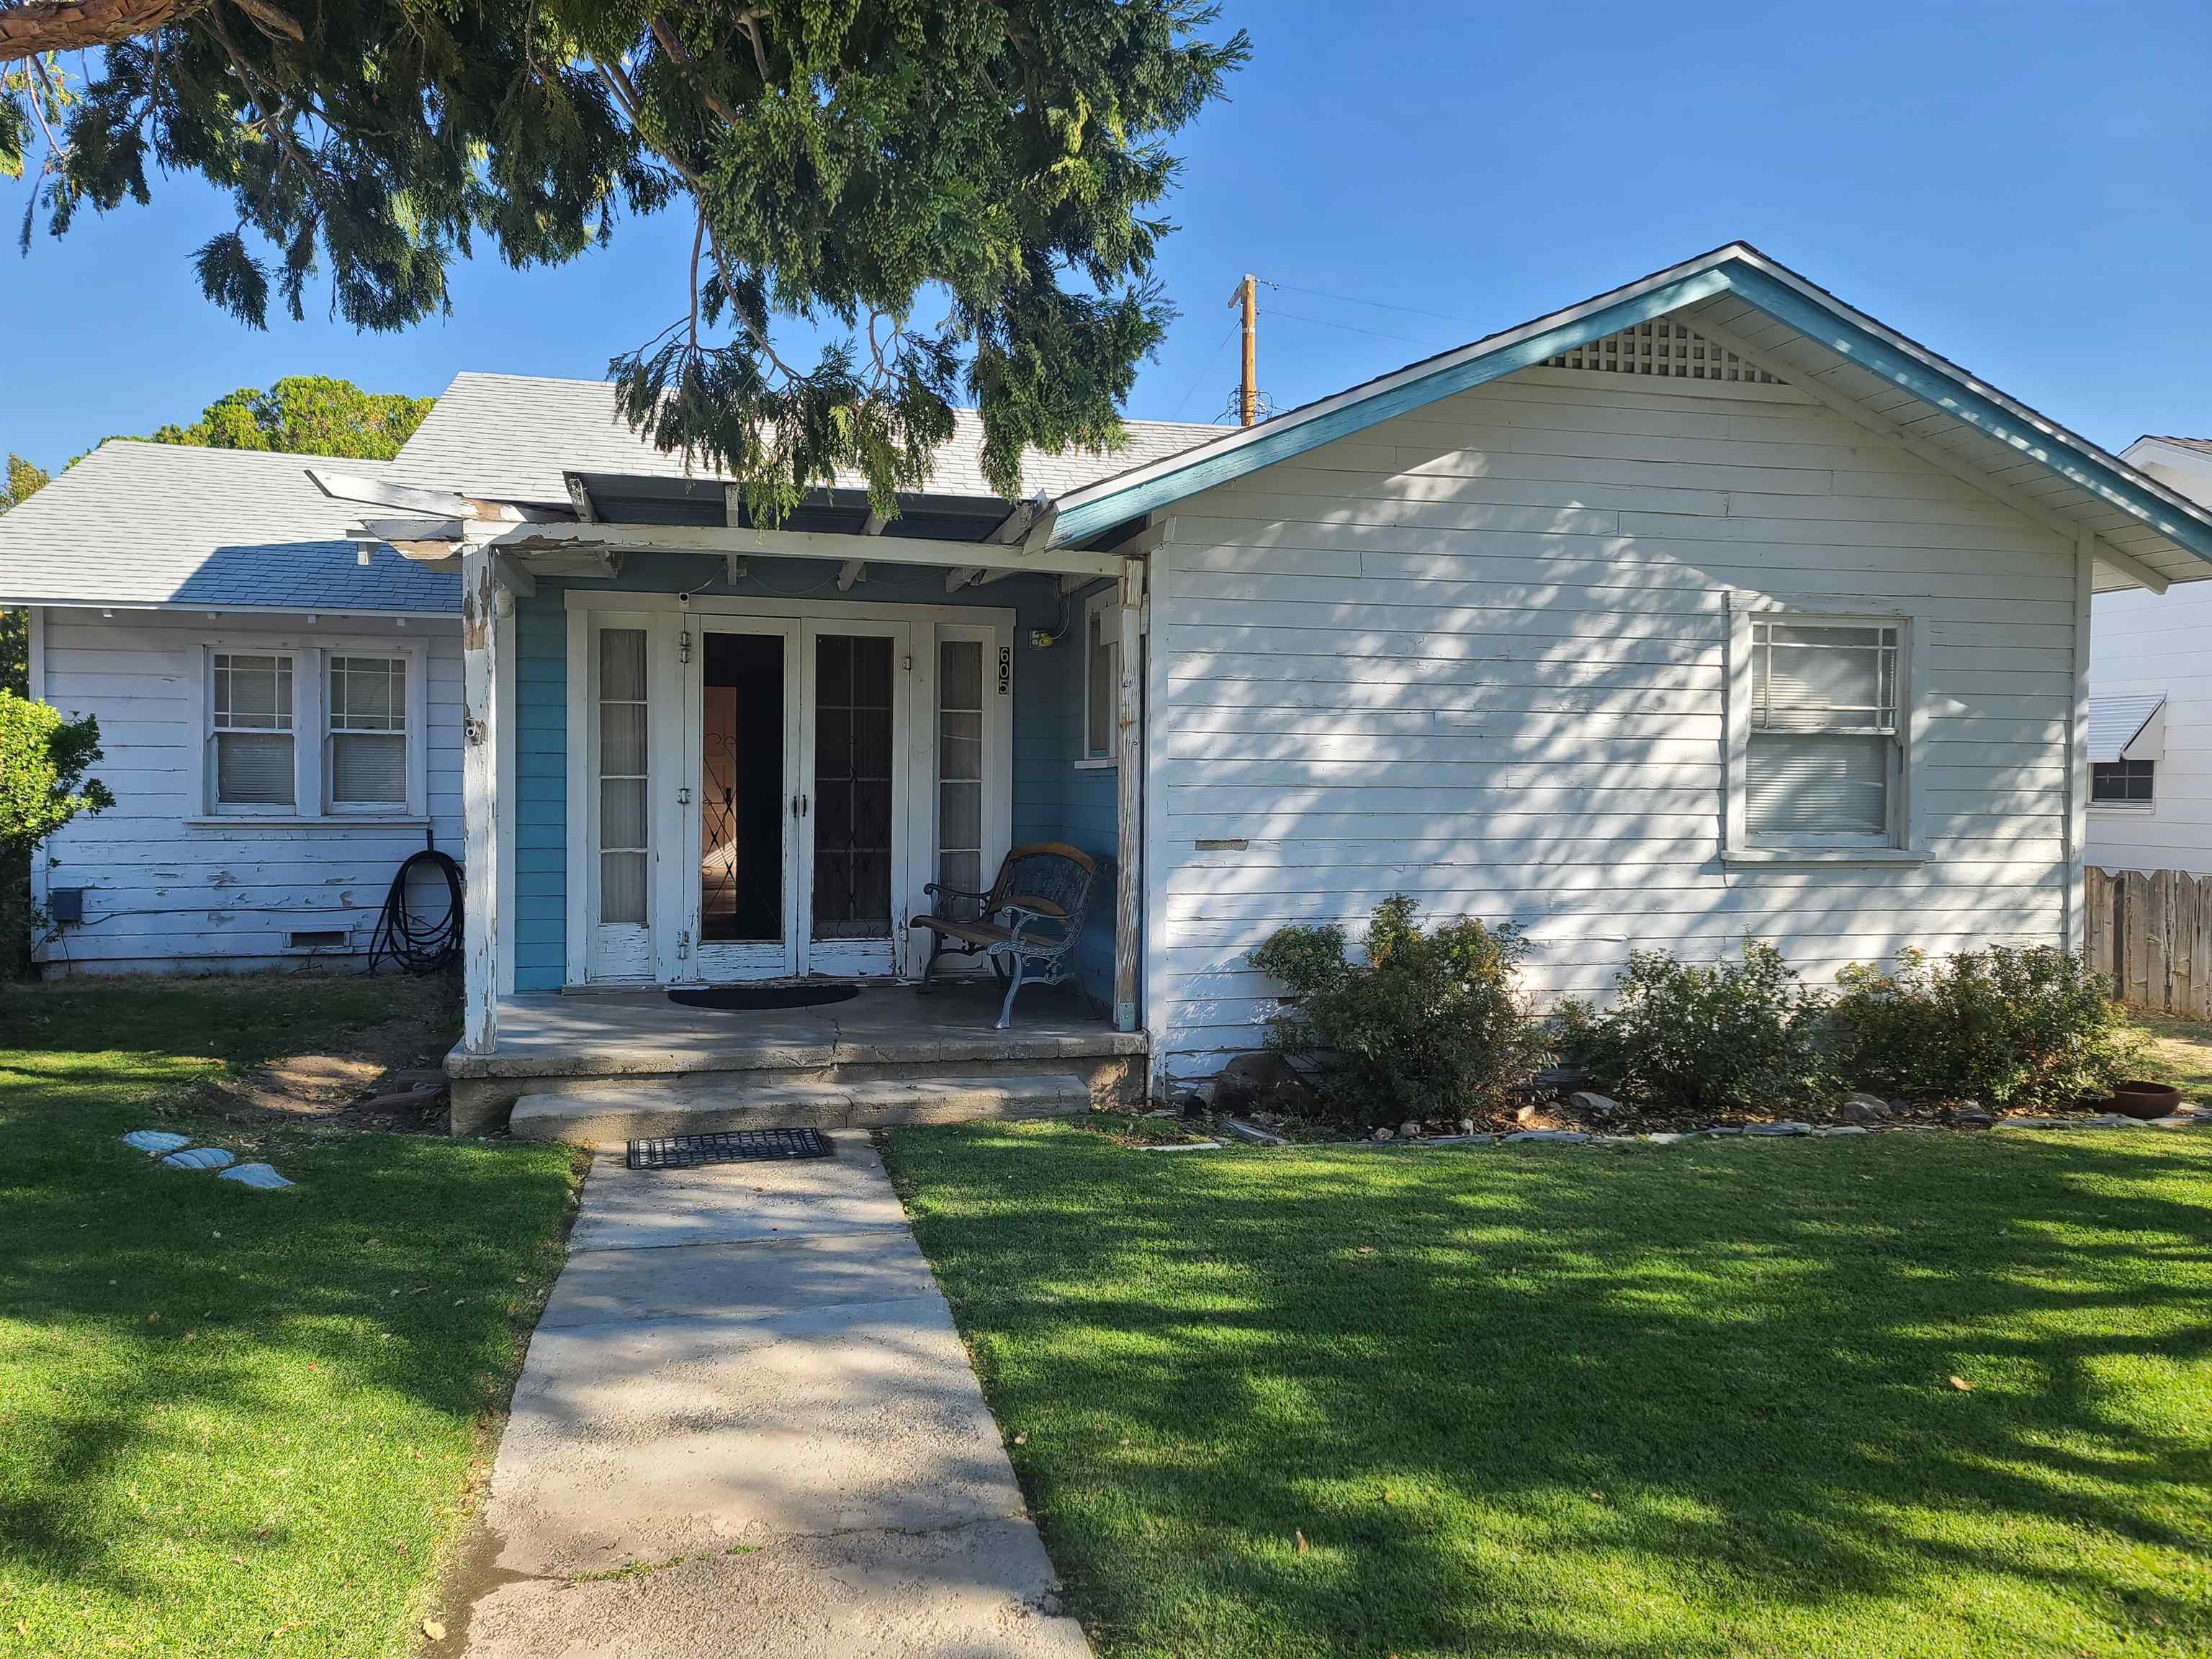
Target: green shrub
column 1731, row 1037
column 1430, row 1025
column 2006, row 1027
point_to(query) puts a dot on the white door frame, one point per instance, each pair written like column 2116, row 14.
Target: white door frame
column 597, row 956
column 842, row 958
column 675, row 756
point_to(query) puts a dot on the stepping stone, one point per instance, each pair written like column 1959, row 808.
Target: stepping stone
column 259, row 1176
column 156, row 1141
column 198, row 1157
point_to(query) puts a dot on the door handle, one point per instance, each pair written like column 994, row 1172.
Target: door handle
column 799, row 806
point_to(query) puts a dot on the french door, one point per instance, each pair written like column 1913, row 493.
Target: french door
column 762, row 791
column 801, row 807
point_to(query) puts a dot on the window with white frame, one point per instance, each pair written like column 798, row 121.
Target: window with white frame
column 2122, row 783
column 366, row 740
column 250, row 732
column 1102, row 673
column 1824, row 761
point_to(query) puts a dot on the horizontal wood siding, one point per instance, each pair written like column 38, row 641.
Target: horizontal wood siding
column 164, row 894
column 1476, row 654
column 2143, row 642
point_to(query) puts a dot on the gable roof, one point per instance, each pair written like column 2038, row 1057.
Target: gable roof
column 1747, row 302
column 511, row 437
column 145, row 525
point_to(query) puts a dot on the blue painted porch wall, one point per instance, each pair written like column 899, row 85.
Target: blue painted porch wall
column 1043, row 728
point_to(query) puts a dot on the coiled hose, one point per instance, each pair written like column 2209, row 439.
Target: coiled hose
column 418, row 947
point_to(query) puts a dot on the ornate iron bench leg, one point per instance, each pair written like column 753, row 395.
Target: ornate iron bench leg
column 936, row 943
column 1014, row 984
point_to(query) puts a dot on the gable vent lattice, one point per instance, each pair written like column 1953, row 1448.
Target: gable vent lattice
column 1662, row 347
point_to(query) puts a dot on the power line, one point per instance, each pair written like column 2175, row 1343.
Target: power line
column 1381, row 305
column 1203, row 373
column 1351, row 328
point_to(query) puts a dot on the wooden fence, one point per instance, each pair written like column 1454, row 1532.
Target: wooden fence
column 2151, row 931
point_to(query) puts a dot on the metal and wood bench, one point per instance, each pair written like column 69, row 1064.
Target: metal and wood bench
column 1029, row 922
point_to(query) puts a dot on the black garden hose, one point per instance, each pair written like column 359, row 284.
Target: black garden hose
column 418, row 947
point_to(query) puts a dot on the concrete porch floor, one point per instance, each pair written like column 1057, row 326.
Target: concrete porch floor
column 556, row 1041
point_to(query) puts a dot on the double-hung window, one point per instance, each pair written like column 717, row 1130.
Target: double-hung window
column 251, row 732
column 1822, row 763
column 367, row 743
column 303, row 732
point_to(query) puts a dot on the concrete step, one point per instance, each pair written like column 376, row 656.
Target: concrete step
column 608, row 1115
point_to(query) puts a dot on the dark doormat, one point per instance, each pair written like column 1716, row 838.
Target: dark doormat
column 725, row 1146
column 738, row 998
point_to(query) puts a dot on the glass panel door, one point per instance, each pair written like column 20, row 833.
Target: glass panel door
column 621, row 946
column 852, row 812
column 744, row 711
column 960, row 770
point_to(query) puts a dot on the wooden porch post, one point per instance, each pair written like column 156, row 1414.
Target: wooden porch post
column 1129, row 754
column 481, row 720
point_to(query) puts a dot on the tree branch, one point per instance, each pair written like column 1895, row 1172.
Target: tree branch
column 31, row 27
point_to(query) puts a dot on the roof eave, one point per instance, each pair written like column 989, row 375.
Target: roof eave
column 1738, row 269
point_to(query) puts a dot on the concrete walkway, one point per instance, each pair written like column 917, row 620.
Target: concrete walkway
column 747, row 1425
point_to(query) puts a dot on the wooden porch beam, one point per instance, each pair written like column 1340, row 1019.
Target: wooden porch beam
column 481, row 718
column 438, row 503
column 1129, row 755
column 750, row 541
column 853, row 570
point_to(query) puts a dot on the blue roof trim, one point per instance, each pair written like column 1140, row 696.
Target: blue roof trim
column 1204, row 471
column 1933, row 386
column 1936, row 386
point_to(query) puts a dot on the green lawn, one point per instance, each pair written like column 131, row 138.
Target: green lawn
column 235, row 1422
column 2180, row 1052
column 1647, row 1401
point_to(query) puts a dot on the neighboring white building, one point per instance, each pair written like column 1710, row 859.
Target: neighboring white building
column 2150, row 689
column 1707, row 608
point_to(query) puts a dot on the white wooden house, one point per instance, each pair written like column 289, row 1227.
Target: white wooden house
column 2150, row 702
column 1705, row 608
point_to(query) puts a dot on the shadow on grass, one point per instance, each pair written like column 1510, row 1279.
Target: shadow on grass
column 200, row 1377
column 1684, row 1402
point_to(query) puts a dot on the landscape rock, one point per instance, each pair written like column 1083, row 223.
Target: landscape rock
column 2174, row 1120
column 1245, row 1081
column 1409, row 1130
column 1466, row 1126
column 259, row 1176
column 1969, row 1114
column 1382, row 1134
column 1864, row 1109
column 1667, row 1138
column 1724, row 1129
column 198, row 1157
column 1785, row 1127
column 1844, row 1129
column 156, row 1141
column 1527, row 1113
column 2038, row 1123
column 1588, row 1101
column 1574, row 1135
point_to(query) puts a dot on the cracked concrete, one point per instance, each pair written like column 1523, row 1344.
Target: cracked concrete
column 747, row 1390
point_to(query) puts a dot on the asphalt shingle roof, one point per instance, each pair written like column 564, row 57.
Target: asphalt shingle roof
column 138, row 524
column 511, row 436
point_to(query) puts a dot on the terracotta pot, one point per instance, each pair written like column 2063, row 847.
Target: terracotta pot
column 2145, row 1100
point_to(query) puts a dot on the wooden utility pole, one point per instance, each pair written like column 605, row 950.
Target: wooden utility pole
column 1248, row 394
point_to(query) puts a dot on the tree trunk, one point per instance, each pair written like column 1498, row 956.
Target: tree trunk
column 30, row 27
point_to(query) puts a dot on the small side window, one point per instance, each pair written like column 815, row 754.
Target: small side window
column 1102, row 674
column 2124, row 782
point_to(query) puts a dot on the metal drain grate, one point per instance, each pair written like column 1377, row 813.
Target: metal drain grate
column 730, row 1146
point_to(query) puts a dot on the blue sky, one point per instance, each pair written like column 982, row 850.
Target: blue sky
column 2022, row 186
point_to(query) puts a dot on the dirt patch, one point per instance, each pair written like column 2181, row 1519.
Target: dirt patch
column 388, row 1078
